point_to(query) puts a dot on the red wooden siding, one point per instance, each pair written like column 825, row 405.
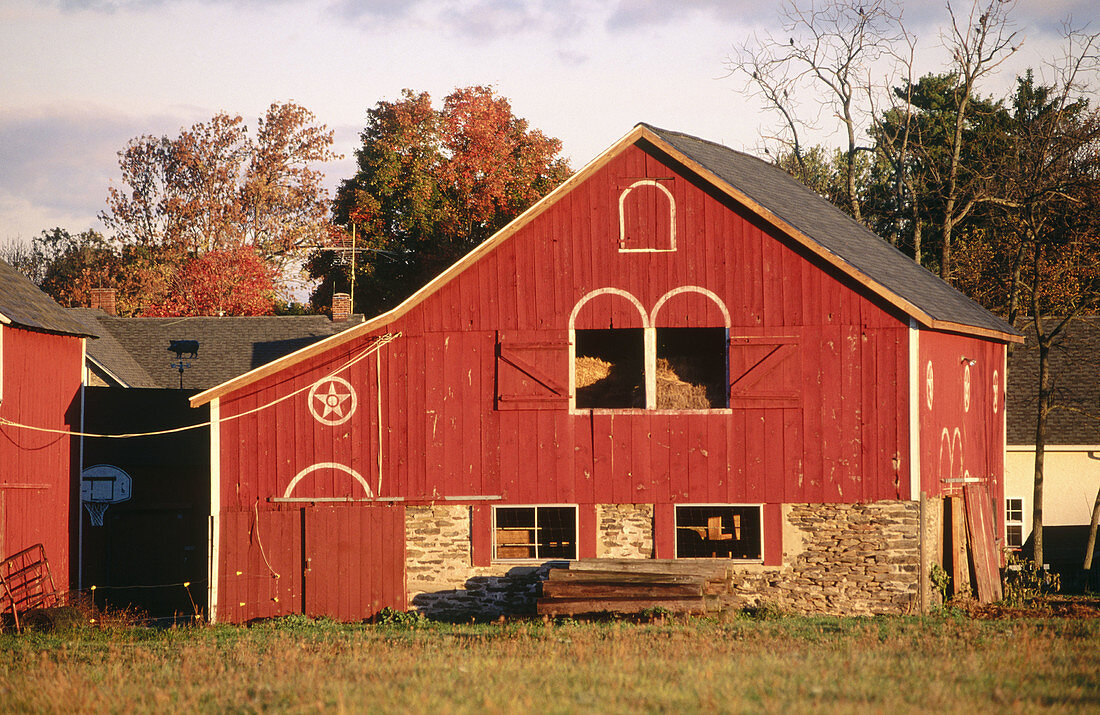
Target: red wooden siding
column 42, row 376
column 841, row 435
column 342, row 561
column 961, row 414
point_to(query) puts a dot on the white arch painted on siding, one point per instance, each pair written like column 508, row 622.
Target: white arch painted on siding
column 608, row 291
column 326, row 465
column 671, row 218
column 690, row 289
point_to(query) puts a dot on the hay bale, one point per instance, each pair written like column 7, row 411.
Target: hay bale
column 607, row 384
column 591, row 370
column 675, row 393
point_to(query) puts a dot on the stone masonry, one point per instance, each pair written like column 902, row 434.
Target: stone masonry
column 625, row 531
column 840, row 559
column 843, row 559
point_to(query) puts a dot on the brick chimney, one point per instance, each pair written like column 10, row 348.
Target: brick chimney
column 102, row 298
column 341, row 307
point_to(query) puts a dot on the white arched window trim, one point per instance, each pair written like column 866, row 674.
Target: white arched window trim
column 671, row 218
column 649, row 332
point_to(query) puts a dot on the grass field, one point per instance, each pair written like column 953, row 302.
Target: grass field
column 781, row 665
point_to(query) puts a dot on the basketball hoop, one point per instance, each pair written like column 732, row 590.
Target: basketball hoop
column 96, row 510
column 101, row 486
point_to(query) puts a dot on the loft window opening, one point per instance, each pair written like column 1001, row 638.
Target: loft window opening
column 610, row 368
column 719, row 532
column 535, row 532
column 692, row 368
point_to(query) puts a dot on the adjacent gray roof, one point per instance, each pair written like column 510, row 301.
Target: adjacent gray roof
column 228, row 346
column 791, row 201
column 107, row 352
column 25, row 305
column 1075, row 367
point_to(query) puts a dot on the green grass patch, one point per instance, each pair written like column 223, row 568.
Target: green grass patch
column 735, row 664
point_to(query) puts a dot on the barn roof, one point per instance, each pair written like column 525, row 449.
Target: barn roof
column 766, row 190
column 1075, row 365
column 228, row 346
column 849, row 241
column 22, row 303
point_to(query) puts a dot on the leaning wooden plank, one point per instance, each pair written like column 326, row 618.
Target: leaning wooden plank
column 982, row 546
column 572, row 607
column 568, row 575
column 598, row 590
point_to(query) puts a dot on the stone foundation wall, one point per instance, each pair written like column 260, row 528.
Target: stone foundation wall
column 840, row 559
column 843, row 559
column 441, row 579
column 625, row 531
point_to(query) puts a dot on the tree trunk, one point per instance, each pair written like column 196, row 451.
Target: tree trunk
column 1091, row 545
column 1040, row 448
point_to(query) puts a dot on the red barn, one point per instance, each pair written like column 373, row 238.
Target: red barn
column 41, row 364
column 679, row 353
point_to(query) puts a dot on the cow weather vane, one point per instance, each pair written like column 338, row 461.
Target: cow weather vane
column 180, row 348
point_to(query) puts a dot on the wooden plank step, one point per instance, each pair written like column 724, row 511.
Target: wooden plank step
column 701, row 567
column 576, row 606
column 563, row 575
column 597, row 590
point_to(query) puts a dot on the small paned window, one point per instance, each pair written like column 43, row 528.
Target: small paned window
column 1014, row 523
column 535, row 532
column 692, row 369
column 719, row 532
column 610, row 368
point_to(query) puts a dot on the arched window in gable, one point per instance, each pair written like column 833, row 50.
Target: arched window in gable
column 647, row 218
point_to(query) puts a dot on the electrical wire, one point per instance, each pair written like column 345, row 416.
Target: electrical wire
column 378, row 343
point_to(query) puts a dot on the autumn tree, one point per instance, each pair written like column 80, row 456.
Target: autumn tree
column 431, row 184
column 214, row 187
column 1052, row 208
column 224, row 281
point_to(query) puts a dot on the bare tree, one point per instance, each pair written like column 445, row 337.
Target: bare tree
column 979, row 43
column 1052, row 200
column 826, row 50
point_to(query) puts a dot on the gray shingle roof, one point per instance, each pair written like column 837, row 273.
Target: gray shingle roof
column 108, row 352
column 801, row 208
column 228, row 346
column 25, row 305
column 1075, row 366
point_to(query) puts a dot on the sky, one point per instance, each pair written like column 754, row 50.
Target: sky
column 79, row 78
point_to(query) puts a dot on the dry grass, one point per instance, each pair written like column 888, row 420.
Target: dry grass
column 792, row 664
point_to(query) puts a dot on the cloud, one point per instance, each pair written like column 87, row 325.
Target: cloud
column 480, row 20
column 58, row 162
column 633, row 14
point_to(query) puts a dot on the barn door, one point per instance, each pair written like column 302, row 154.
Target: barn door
column 765, row 370
column 353, row 558
column 532, row 370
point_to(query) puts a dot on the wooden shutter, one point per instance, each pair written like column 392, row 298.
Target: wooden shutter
column 532, row 370
column 765, row 370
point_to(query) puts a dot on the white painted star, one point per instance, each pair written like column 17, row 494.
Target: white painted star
column 333, row 401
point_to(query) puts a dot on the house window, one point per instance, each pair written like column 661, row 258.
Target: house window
column 1014, row 523
column 535, row 532
column 692, row 368
column 610, row 368
column 719, row 532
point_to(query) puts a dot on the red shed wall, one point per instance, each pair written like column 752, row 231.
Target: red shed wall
column 962, row 388
column 846, row 440
column 41, row 387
